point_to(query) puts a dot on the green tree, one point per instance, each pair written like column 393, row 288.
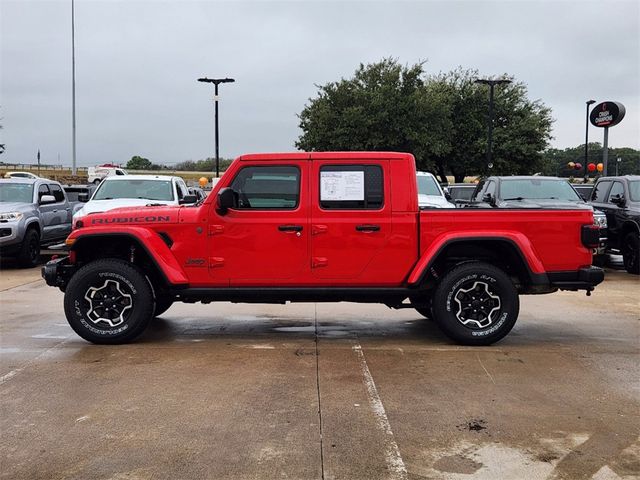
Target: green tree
column 383, row 107
column 139, row 163
column 441, row 119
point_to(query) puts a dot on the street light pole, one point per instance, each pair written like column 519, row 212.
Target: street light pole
column 586, row 141
column 73, row 89
column 216, row 82
column 491, row 84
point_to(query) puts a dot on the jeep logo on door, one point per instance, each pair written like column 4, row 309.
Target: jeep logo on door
column 607, row 114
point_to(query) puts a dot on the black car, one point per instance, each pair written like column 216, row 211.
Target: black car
column 619, row 199
column 75, row 191
column 535, row 192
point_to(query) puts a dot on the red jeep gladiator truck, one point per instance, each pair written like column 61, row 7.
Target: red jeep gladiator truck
column 321, row 227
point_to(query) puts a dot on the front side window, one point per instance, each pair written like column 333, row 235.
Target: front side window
column 351, row 187
column 267, row 187
column 131, row 188
column 616, row 191
column 43, row 190
column 600, row 192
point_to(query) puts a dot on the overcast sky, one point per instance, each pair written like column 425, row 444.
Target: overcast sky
column 137, row 65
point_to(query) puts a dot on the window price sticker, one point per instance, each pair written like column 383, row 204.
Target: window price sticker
column 341, row 186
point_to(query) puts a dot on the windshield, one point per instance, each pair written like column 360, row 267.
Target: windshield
column 16, row 192
column 538, row 189
column 634, row 190
column 427, row 186
column 132, row 188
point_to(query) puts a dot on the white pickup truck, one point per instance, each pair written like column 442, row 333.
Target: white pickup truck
column 97, row 174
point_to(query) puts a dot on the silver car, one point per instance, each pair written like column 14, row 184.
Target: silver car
column 32, row 213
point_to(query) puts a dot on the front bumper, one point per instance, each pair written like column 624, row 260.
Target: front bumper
column 585, row 278
column 56, row 273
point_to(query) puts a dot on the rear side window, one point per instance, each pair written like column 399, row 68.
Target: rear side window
column 600, row 192
column 56, row 191
column 351, row 187
column 616, row 190
column 259, row 187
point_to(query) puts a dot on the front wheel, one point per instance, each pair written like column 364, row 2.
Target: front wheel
column 29, row 253
column 162, row 305
column 109, row 302
column 476, row 304
column 631, row 252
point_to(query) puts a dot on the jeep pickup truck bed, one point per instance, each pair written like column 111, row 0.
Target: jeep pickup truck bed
column 339, row 226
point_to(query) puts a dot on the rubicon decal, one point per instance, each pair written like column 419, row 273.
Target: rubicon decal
column 149, row 218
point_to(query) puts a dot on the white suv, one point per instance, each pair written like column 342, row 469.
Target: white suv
column 430, row 194
column 135, row 191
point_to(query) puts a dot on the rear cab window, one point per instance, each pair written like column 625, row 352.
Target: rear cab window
column 351, row 187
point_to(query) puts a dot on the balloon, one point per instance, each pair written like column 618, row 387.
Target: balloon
column 600, row 167
column 578, row 166
column 203, row 181
column 591, row 167
column 571, row 165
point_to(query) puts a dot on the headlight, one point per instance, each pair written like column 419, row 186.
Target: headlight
column 600, row 220
column 10, row 217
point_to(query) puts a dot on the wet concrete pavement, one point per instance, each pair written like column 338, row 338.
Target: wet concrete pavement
column 340, row 391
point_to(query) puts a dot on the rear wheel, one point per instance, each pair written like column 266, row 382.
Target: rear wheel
column 109, row 302
column 29, row 253
column 476, row 304
column 631, row 253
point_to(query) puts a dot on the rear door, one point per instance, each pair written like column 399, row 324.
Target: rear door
column 61, row 213
column 350, row 221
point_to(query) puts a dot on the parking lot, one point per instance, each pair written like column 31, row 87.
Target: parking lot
column 335, row 390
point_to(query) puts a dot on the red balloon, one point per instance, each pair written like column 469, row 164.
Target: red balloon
column 591, row 167
column 578, row 166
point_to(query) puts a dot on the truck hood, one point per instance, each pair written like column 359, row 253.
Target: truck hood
column 132, row 215
column 7, row 207
column 434, row 201
column 94, row 206
column 544, row 203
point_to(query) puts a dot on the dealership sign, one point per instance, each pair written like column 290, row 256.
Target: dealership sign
column 607, row 114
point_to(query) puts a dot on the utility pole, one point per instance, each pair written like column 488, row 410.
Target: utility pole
column 586, row 141
column 73, row 88
column 216, row 82
column 491, row 84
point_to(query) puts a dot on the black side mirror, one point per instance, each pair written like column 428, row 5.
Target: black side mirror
column 83, row 197
column 227, row 198
column 488, row 198
column 618, row 200
column 447, row 195
column 188, row 199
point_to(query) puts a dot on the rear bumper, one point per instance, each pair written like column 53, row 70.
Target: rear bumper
column 583, row 279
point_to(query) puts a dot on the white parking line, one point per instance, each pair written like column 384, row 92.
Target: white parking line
column 392, row 452
column 8, row 376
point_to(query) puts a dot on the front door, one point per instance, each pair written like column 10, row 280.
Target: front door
column 350, row 221
column 264, row 241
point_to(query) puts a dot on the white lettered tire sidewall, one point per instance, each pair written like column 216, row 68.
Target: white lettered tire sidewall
column 445, row 308
column 95, row 274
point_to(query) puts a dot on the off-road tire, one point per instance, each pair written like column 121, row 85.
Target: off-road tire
column 29, row 253
column 631, row 253
column 89, row 307
column 162, row 305
column 474, row 285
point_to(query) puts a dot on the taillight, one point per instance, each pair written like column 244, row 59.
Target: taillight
column 590, row 236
